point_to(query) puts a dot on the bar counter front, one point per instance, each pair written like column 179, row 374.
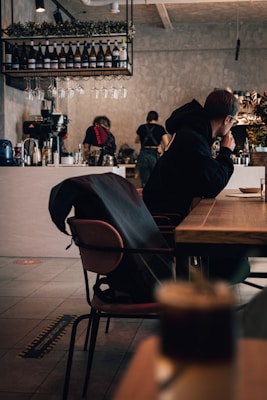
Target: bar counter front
column 26, row 226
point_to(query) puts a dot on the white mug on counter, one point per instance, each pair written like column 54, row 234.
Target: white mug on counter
column 67, row 159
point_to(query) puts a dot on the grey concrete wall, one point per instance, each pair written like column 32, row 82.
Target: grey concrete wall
column 170, row 68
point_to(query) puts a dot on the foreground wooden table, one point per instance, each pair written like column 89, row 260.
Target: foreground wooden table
column 139, row 382
column 225, row 225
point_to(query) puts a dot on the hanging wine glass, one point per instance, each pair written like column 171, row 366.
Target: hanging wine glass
column 122, row 92
column 104, row 92
column 70, row 91
column 38, row 92
column 95, row 91
column 60, row 89
column 61, row 92
column 28, row 91
column 79, row 88
column 114, row 93
column 50, row 88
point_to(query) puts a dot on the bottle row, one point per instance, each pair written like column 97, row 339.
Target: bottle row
column 33, row 155
column 89, row 55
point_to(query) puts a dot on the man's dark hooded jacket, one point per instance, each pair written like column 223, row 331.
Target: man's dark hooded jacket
column 187, row 169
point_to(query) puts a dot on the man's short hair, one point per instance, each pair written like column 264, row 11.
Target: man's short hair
column 152, row 116
column 221, row 103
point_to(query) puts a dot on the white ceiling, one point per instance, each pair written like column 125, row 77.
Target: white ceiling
column 169, row 13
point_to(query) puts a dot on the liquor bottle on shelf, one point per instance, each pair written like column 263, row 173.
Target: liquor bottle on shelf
column 116, row 55
column 8, row 56
column 100, row 56
column 108, row 56
column 85, row 56
column 62, row 56
column 70, row 57
column 77, row 56
column 54, row 57
column 23, row 57
column 15, row 57
column 39, row 57
column 47, row 57
column 123, row 54
column 32, row 57
column 92, row 56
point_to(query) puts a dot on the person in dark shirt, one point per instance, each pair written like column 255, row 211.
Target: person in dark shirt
column 151, row 136
column 187, row 172
column 99, row 141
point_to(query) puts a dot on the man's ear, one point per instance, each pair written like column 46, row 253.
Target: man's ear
column 226, row 119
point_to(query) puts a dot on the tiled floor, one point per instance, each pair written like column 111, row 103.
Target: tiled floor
column 31, row 297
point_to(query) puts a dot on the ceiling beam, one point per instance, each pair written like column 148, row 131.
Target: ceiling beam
column 59, row 6
column 163, row 13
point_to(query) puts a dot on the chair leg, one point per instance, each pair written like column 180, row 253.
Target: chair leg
column 253, row 284
column 94, row 331
column 85, row 346
column 70, row 353
column 107, row 325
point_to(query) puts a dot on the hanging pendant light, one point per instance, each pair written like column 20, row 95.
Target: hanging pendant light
column 237, row 49
column 39, row 6
column 115, row 9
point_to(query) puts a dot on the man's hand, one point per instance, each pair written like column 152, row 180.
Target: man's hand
column 228, row 141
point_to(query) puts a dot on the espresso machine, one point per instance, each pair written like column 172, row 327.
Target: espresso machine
column 48, row 128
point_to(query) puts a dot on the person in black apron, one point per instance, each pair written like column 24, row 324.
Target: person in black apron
column 99, row 141
column 151, row 136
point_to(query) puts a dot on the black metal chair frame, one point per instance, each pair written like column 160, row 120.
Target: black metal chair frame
column 150, row 310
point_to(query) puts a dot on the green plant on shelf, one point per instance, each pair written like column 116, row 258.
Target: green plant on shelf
column 70, row 28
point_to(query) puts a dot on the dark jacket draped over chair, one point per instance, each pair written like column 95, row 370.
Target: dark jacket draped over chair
column 112, row 198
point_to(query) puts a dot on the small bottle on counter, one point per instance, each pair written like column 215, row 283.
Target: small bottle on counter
column 56, row 158
column 245, row 153
column 36, row 157
column 78, row 155
column 44, row 154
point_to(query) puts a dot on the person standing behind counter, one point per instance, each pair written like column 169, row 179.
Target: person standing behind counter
column 99, row 141
column 151, row 135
